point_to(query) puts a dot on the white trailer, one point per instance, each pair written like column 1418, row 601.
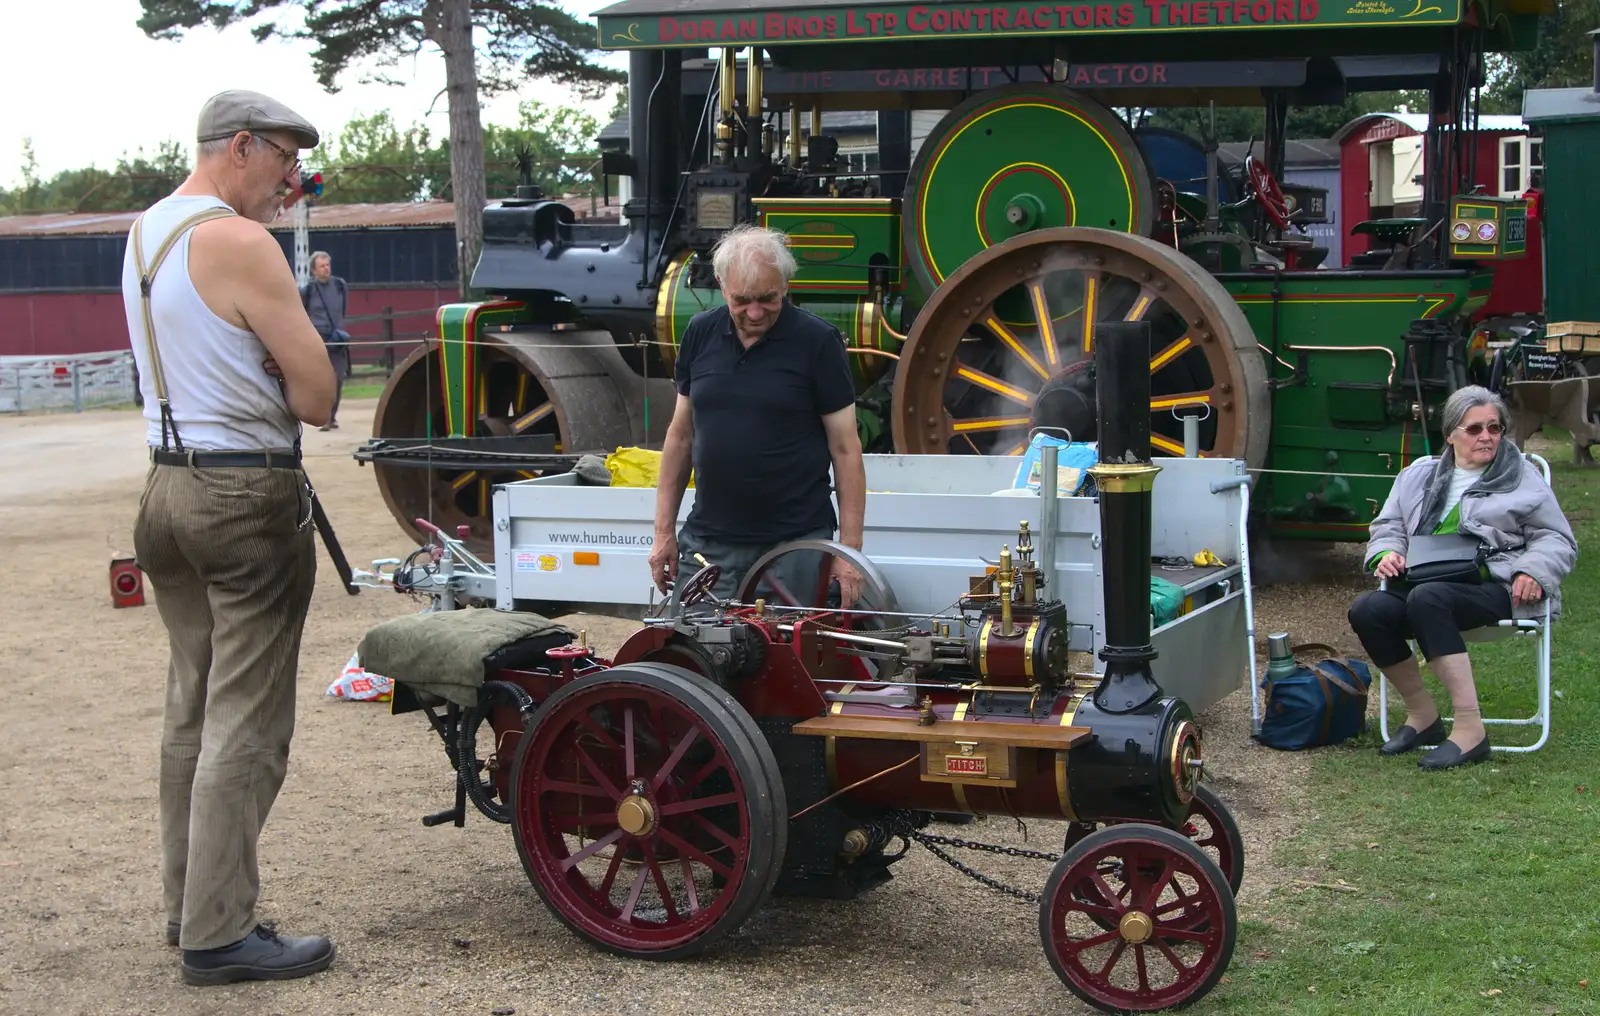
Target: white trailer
column 932, row 523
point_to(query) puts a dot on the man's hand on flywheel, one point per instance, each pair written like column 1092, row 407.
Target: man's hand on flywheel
column 849, row 581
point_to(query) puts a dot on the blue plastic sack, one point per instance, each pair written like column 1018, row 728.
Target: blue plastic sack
column 1073, row 461
column 1320, row 704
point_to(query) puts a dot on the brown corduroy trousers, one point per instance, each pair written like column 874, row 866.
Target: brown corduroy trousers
column 229, row 555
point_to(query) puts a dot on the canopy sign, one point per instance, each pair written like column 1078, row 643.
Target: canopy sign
column 649, row 24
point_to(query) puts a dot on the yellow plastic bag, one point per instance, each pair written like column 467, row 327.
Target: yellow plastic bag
column 636, row 467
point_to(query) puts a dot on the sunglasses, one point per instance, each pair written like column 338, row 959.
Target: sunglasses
column 1478, row 428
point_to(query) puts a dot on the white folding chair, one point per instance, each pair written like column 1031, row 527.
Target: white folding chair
column 1536, row 628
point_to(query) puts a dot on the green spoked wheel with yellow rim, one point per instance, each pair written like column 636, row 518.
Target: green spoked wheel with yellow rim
column 1017, row 159
column 974, row 378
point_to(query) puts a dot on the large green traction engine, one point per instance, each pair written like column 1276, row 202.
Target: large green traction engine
column 1030, row 215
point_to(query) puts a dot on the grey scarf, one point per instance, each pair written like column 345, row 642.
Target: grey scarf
column 1503, row 474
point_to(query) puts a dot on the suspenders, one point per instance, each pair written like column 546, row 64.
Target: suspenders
column 147, row 277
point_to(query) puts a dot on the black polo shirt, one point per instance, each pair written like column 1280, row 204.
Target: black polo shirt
column 761, row 455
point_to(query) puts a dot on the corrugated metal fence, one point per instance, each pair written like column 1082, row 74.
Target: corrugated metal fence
column 32, row 384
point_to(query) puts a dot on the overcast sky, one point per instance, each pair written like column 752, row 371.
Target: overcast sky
column 82, row 81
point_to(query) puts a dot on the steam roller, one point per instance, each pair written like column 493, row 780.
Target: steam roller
column 534, row 395
column 969, row 304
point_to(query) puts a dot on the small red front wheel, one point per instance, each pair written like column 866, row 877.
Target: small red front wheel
column 1136, row 918
column 1210, row 824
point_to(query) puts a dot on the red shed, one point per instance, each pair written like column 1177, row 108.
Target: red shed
column 61, row 273
column 1381, row 169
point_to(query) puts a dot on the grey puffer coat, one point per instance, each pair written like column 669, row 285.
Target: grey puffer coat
column 1510, row 508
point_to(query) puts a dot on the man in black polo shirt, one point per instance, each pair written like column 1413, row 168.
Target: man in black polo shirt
column 765, row 405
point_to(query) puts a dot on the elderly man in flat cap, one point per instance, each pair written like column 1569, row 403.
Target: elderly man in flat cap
column 230, row 367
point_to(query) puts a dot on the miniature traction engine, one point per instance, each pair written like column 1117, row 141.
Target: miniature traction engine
column 747, row 746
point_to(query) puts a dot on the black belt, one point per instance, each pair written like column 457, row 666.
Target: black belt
column 225, row 460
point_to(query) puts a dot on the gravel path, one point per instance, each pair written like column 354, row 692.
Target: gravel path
column 438, row 920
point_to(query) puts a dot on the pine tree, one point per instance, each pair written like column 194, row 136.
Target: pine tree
column 522, row 38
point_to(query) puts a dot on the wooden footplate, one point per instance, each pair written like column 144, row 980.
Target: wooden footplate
column 982, row 752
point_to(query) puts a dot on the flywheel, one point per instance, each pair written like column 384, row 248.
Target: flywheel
column 1004, row 344
column 1016, row 159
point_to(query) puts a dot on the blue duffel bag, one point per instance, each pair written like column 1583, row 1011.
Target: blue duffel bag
column 1315, row 704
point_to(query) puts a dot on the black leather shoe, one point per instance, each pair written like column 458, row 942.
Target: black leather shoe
column 1448, row 756
column 173, row 929
column 1407, row 738
column 262, row 955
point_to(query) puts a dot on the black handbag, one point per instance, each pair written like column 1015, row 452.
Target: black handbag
column 1449, row 557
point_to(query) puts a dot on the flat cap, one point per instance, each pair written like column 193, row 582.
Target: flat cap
column 227, row 113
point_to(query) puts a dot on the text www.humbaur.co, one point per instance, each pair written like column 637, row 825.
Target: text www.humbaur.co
column 604, row 539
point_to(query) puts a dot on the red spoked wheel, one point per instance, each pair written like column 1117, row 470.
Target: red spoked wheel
column 1268, row 194
column 1210, row 825
column 647, row 815
column 1136, row 918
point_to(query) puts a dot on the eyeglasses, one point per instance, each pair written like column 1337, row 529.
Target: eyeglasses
column 1478, row 428
column 290, row 158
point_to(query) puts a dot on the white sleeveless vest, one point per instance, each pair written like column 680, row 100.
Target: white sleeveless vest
column 222, row 399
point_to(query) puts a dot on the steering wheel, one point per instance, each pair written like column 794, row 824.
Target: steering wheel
column 1268, row 194
column 699, row 585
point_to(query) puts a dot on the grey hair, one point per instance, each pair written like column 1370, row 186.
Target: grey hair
column 319, row 254
column 1464, row 400
column 747, row 246
column 206, row 149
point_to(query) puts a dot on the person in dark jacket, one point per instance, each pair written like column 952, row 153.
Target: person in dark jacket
column 1483, row 487
column 327, row 298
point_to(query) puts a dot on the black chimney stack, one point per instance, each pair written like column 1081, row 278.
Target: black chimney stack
column 1125, row 478
column 526, row 191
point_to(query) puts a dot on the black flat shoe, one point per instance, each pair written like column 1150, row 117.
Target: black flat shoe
column 173, row 929
column 1448, row 756
column 1407, row 738
column 262, row 955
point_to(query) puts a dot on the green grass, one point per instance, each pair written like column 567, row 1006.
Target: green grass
column 352, row 390
column 365, row 383
column 1477, row 890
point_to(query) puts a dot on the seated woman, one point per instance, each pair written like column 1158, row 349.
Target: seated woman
column 1482, row 487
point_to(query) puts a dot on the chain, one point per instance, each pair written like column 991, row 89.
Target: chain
column 933, row 843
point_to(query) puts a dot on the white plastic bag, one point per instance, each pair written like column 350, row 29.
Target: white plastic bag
column 356, row 685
